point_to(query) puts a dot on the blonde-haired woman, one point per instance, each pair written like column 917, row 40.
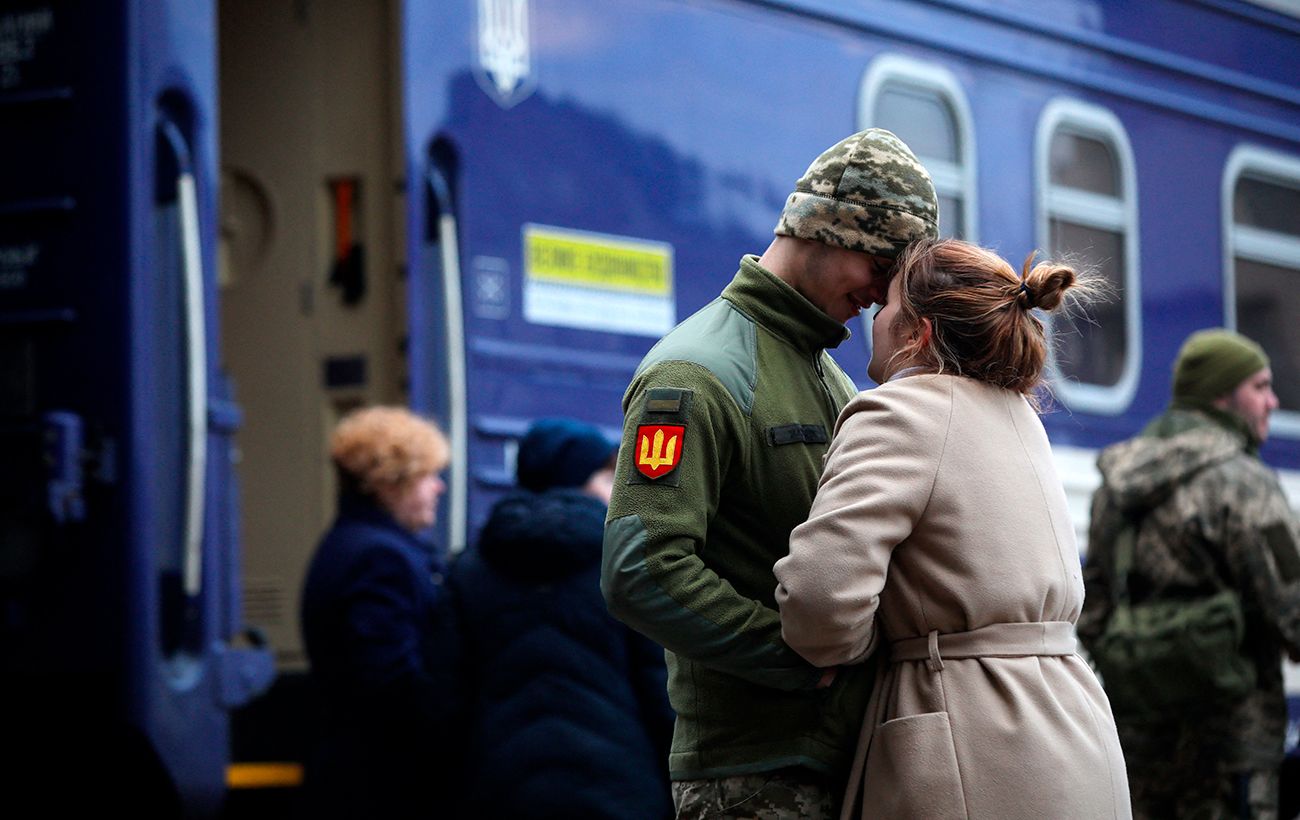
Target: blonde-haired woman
column 379, row 626
column 940, row 539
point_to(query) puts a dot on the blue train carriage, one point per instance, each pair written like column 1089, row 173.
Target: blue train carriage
column 592, row 175
column 602, row 186
column 123, row 647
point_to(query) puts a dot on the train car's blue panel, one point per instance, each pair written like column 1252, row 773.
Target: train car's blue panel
column 118, row 567
column 568, row 121
column 610, row 158
column 183, row 420
column 1173, row 76
column 63, row 346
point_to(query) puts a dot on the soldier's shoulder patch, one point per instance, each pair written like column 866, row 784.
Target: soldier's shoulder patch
column 660, row 440
column 659, row 449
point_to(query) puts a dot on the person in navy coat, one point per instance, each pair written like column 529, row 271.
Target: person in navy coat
column 380, row 628
column 570, row 715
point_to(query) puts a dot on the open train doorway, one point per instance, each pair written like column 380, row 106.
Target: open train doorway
column 312, row 292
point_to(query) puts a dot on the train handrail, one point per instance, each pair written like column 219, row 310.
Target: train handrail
column 457, row 389
column 196, row 358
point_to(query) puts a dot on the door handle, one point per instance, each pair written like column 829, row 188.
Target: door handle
column 196, row 357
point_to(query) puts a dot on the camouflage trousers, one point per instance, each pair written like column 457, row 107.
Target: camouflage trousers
column 1182, row 775
column 785, row 794
column 1244, row 796
column 1192, row 771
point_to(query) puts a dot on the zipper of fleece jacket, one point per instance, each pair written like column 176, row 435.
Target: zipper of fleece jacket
column 826, row 391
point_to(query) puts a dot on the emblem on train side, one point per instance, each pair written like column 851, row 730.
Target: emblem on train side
column 505, row 65
column 658, row 448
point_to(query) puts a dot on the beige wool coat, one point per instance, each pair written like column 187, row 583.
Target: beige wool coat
column 940, row 537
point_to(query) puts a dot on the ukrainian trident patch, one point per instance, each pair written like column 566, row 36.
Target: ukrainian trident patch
column 659, row 448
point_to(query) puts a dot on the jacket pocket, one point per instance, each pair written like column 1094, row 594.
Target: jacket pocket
column 912, row 770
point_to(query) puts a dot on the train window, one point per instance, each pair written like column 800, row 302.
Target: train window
column 1268, row 205
column 925, row 115
column 1084, row 163
column 1262, row 266
column 925, row 106
column 1087, row 212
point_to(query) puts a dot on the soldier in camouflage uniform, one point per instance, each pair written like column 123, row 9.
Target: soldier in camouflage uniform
column 726, row 422
column 1211, row 516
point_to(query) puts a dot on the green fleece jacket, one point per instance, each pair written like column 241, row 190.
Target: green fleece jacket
column 726, row 423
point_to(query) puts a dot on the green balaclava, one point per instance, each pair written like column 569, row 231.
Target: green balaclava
column 1211, row 364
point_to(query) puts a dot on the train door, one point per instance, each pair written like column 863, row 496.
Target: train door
column 496, row 167
column 310, row 271
column 118, row 561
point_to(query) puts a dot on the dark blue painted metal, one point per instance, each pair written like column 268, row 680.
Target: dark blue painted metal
column 63, row 436
column 706, row 169
column 116, row 100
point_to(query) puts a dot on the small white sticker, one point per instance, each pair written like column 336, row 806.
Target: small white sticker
column 491, row 287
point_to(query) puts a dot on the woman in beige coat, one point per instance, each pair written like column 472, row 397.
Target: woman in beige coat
column 940, row 539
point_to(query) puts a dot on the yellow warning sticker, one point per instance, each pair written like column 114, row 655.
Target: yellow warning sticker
column 597, row 281
column 598, row 260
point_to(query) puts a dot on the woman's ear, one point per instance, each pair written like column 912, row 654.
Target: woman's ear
column 923, row 332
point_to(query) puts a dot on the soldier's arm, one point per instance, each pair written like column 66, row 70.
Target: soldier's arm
column 1263, row 553
column 652, row 575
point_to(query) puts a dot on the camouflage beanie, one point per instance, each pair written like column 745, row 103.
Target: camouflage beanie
column 1212, row 363
column 866, row 193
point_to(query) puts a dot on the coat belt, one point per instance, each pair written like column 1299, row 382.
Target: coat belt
column 1013, row 640
column 1018, row 640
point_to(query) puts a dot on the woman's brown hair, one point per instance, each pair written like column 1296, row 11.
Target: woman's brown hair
column 981, row 313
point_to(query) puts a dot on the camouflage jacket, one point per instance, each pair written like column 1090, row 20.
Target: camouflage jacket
column 1210, row 515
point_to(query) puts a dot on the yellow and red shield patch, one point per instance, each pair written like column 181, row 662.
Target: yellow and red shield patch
column 659, row 448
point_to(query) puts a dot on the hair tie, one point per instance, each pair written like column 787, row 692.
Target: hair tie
column 1025, row 289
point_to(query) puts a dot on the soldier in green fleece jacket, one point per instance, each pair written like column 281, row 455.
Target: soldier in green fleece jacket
column 726, row 423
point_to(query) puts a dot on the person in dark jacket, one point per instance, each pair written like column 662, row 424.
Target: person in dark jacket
column 380, row 629
column 570, row 716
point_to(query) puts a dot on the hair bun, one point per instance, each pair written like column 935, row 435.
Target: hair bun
column 1044, row 285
